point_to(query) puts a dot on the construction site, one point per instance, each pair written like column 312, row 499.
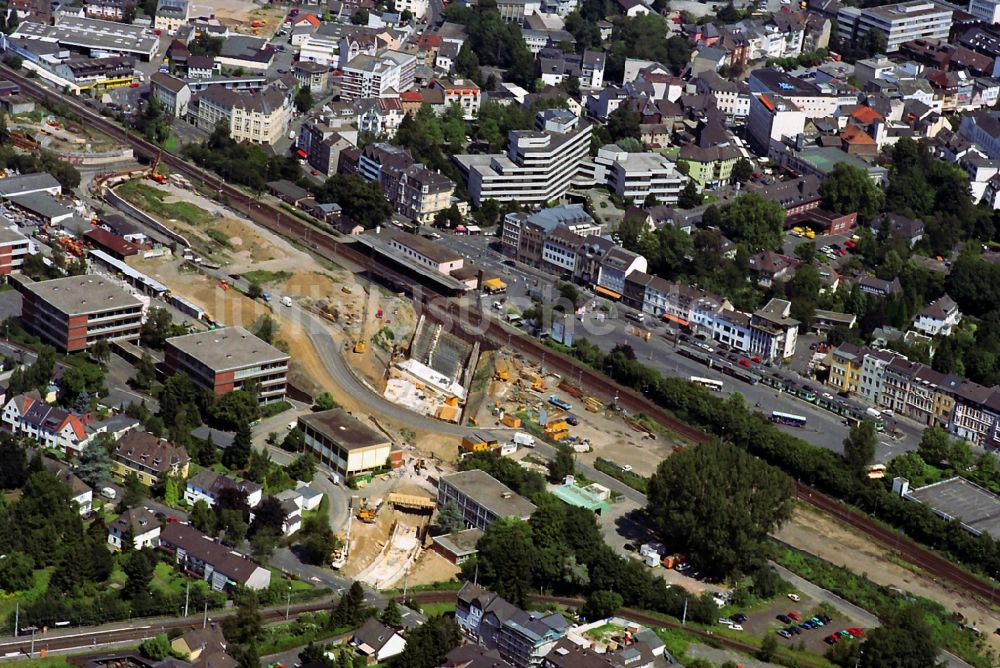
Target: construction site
column 385, row 538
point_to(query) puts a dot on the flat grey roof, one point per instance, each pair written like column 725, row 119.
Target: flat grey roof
column 977, row 508
column 460, row 543
column 92, row 33
column 24, row 183
column 343, row 429
column 7, row 235
column 227, row 348
column 490, row 493
column 80, row 295
column 40, row 203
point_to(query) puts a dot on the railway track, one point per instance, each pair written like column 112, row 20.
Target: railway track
column 472, row 323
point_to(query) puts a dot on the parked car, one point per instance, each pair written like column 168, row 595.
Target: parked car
column 807, row 626
column 572, row 420
column 826, row 619
column 784, row 619
column 736, row 627
column 796, row 616
column 832, row 639
column 784, row 634
column 856, row 632
column 794, row 630
column 744, row 362
column 739, row 618
column 725, row 621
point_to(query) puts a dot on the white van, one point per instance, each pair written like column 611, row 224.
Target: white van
column 286, row 301
column 109, row 493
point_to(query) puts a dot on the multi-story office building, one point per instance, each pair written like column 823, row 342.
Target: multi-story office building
column 75, row 312
column 636, row 176
column 228, row 359
column 901, row 22
column 373, row 76
column 482, row 498
column 14, row 247
column 771, row 120
column 344, row 443
column 540, row 165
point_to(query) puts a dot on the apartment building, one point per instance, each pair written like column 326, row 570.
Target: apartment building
column 976, row 415
column 463, row 92
column 374, row 76
column 171, row 15
column 258, row 118
column 605, row 265
column 557, row 66
column 343, row 443
column 109, row 10
column 482, row 498
column 422, row 194
column 985, row 10
column 14, row 247
column 523, row 235
column 540, row 165
column 901, row 22
column 75, row 312
column 320, row 49
column 171, row 92
column 416, row 7
column 149, row 457
column 682, row 305
column 775, row 334
column 846, row 368
column 872, row 383
column 811, row 99
column 938, row 318
column 227, row 359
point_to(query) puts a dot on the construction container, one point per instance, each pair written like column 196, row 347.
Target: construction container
column 512, row 421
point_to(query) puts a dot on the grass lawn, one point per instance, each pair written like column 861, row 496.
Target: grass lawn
column 431, row 609
column 262, row 276
column 38, row 662
column 172, row 145
column 150, row 199
column 167, row 579
column 297, row 585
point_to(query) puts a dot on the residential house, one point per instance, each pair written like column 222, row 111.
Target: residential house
column 292, row 503
column 223, row 568
column 377, row 642
column 774, row 333
column 938, row 318
column 258, row 118
column 172, row 93
column 879, row 286
column 770, row 267
column 27, row 415
column 873, row 375
column 80, row 492
column 207, row 485
column 149, row 457
column 143, row 527
column 200, row 642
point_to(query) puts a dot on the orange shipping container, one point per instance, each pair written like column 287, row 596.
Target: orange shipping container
column 511, row 421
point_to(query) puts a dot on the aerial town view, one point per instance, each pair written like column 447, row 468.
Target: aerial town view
column 499, row 334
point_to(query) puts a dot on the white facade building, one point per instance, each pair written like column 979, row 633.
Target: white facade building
column 899, row 23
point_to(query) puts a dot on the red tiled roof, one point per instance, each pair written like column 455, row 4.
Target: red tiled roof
column 854, row 135
column 866, row 115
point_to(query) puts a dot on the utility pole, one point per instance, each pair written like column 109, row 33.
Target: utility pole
column 685, row 615
column 187, row 598
column 17, row 617
column 288, row 602
column 204, row 622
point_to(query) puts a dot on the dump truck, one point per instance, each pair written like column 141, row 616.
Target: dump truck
column 502, row 371
column 360, row 347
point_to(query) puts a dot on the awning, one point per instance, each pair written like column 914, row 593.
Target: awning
column 302, row 154
column 673, row 318
column 601, row 290
column 494, row 284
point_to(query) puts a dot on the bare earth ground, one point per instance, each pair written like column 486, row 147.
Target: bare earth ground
column 816, row 533
column 239, row 14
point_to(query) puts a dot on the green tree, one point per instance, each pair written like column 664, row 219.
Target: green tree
column 351, row 608
column 203, row 518
column 235, row 408
column 563, row 464
column 754, row 221
column 302, row 468
column 624, row 122
column 156, row 648
column 874, row 42
column 135, row 491
column 903, row 641
column 324, row 401
column 935, row 446
column 743, row 169
column 390, row 615
column 303, row 99
column 313, row 653
column 601, row 604
column 719, row 503
column 171, row 493
column 859, row 447
column 428, row 644
column 450, row 518
column 14, row 456
column 504, row 551
column 145, row 372
column 245, row 627
column 316, row 539
column 768, row 648
column 138, row 569
column 360, row 17
column 156, row 329
column 849, row 189
column 805, row 251
column 101, row 352
column 16, row 572
column 362, row 201
column 237, row 455
column 294, row 441
column 84, row 378
column 690, row 196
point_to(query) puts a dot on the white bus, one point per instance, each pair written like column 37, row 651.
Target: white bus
column 714, row 385
column 788, row 419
